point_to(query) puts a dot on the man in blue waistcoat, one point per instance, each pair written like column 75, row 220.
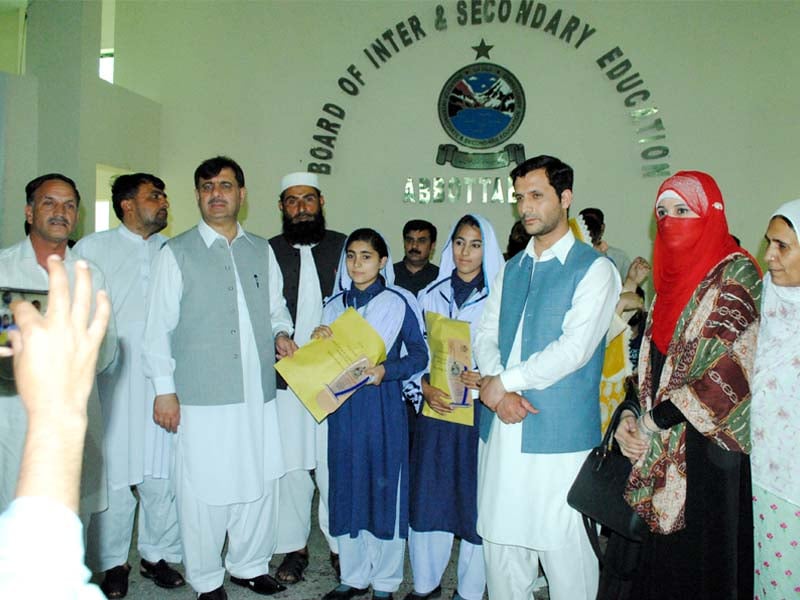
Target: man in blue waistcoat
column 540, row 348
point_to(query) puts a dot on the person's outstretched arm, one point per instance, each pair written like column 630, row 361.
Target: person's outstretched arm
column 54, row 368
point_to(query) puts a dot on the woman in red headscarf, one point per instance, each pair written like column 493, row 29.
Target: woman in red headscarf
column 689, row 438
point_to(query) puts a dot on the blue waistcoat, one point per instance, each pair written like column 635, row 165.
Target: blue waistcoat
column 569, row 410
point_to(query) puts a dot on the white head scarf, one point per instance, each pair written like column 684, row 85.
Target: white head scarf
column 775, row 409
column 343, row 280
column 492, row 254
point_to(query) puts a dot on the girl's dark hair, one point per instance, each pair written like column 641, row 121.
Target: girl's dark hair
column 517, row 240
column 594, row 226
column 466, row 220
column 372, row 237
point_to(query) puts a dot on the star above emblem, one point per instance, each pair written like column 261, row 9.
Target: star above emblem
column 482, row 50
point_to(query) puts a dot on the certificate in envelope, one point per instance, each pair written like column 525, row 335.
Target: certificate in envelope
column 451, row 355
column 326, row 372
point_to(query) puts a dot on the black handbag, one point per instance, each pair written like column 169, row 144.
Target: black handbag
column 597, row 491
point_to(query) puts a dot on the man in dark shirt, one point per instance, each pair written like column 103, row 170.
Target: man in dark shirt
column 416, row 271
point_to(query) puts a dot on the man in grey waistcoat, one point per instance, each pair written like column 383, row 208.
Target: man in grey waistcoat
column 215, row 385
column 308, row 255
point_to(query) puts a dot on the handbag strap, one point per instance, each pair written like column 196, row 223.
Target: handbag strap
column 591, row 527
column 591, row 531
column 608, row 436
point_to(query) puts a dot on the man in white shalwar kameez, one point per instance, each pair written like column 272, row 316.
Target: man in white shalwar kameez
column 52, row 213
column 215, row 320
column 540, row 348
column 137, row 451
column 308, row 256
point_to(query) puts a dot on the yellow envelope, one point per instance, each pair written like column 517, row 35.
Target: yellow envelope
column 326, row 372
column 616, row 368
column 451, row 354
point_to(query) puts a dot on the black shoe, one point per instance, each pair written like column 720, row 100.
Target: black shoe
column 435, row 593
column 161, row 574
column 115, row 582
column 383, row 597
column 343, row 592
column 265, row 584
column 217, row 594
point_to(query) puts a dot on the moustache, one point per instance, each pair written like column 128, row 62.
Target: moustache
column 57, row 221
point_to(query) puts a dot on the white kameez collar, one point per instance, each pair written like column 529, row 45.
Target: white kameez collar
column 210, row 236
column 134, row 237
column 559, row 250
column 26, row 251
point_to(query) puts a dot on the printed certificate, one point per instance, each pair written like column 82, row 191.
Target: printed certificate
column 451, row 354
column 326, row 372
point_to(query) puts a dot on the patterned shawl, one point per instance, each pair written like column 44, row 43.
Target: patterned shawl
column 706, row 376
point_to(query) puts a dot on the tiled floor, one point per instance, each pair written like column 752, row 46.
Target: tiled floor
column 319, row 579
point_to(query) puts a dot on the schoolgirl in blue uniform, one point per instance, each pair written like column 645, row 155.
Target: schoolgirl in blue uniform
column 444, row 463
column 368, row 434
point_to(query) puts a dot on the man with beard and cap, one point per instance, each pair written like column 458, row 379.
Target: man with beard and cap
column 51, row 209
column 136, row 451
column 308, row 256
column 416, row 270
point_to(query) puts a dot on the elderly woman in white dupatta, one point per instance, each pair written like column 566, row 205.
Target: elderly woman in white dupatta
column 444, row 463
column 775, row 414
column 368, row 434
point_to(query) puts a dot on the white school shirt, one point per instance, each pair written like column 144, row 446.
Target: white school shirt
column 227, row 452
column 135, row 446
column 522, row 498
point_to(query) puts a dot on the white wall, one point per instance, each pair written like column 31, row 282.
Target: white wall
column 249, row 79
column 18, row 127
column 61, row 117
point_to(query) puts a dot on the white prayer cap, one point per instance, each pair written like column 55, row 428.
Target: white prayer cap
column 299, row 178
